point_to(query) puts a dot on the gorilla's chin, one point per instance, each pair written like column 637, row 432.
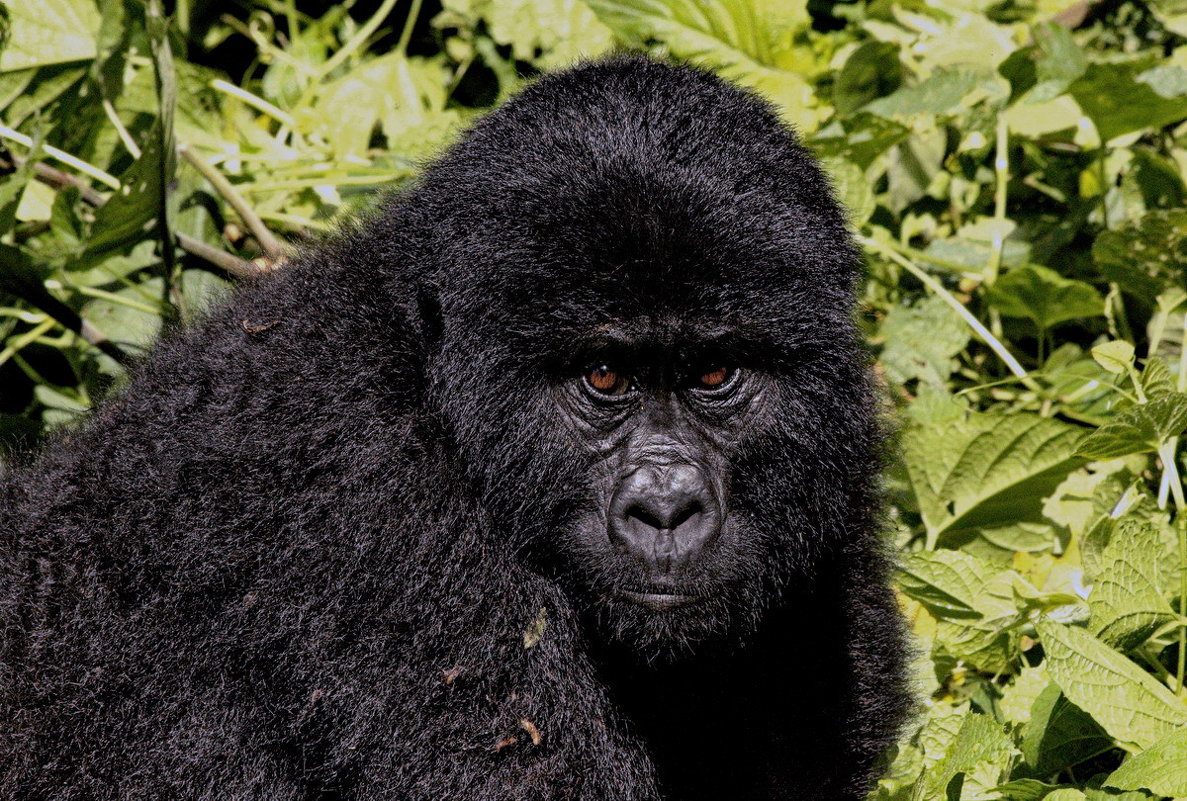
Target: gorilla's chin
column 669, row 627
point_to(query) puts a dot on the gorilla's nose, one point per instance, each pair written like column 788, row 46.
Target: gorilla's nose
column 665, row 514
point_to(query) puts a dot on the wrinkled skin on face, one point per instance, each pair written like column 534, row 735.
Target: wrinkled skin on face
column 656, row 312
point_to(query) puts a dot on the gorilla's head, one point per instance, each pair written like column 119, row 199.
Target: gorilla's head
column 645, row 351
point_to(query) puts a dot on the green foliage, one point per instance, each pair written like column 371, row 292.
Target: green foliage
column 1014, row 170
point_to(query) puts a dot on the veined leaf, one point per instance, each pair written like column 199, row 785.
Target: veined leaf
column 975, row 762
column 1129, row 703
column 1161, row 768
column 986, row 471
column 743, row 41
column 1139, row 429
column 49, row 32
column 1127, row 603
column 1044, row 296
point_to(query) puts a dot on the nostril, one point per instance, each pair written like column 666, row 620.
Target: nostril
column 685, row 513
column 665, row 514
column 643, row 515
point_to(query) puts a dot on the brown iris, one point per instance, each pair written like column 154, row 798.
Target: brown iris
column 607, row 381
column 715, row 378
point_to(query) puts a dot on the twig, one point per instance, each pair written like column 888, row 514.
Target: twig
column 268, row 241
column 220, row 258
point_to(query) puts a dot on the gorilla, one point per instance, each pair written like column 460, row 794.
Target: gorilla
column 554, row 478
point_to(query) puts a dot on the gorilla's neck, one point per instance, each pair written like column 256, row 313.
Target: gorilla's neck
column 713, row 722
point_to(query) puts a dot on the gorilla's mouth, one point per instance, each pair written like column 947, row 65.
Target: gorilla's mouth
column 659, row 601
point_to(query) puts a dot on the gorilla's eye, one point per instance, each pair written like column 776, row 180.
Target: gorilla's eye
column 717, row 377
column 605, row 380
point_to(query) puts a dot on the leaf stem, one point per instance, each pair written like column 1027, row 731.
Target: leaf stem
column 64, row 157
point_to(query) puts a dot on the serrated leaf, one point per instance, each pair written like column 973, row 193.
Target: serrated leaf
column 975, row 762
column 987, row 471
column 1129, row 703
column 1139, row 429
column 1160, row 769
column 952, row 584
column 1044, row 296
column 1126, row 602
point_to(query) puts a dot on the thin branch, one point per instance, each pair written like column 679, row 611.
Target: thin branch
column 268, row 241
column 218, row 257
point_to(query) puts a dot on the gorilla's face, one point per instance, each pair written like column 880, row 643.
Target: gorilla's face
column 660, row 551
column 647, row 359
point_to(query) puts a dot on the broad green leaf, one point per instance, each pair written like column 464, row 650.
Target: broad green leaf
column 860, row 138
column 986, row 471
column 49, row 32
column 1161, row 768
column 974, row 763
column 1139, row 429
column 1126, row 602
column 1129, row 703
column 851, row 187
column 1157, row 381
column 1059, row 734
column 953, row 584
column 1025, row 790
column 548, row 33
column 1044, row 296
column 946, row 92
column 1146, row 256
column 1118, row 103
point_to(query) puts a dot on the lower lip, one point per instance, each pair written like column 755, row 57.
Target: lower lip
column 659, row 601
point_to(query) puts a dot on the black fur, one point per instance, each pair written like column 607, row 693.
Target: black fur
column 306, row 554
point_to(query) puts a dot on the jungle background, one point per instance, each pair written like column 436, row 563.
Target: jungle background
column 1013, row 168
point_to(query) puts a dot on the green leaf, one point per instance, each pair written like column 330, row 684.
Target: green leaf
column 1146, row 256
column 1126, row 602
column 1160, row 769
column 952, row 584
column 974, row 763
column 1139, row 429
column 1115, row 356
column 986, row 471
column 1059, row 734
column 922, row 342
column 1025, row 790
column 742, row 40
column 946, row 92
column 1129, row 703
column 1118, row 103
column 871, row 71
column 547, row 33
column 49, row 32
column 1044, row 296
